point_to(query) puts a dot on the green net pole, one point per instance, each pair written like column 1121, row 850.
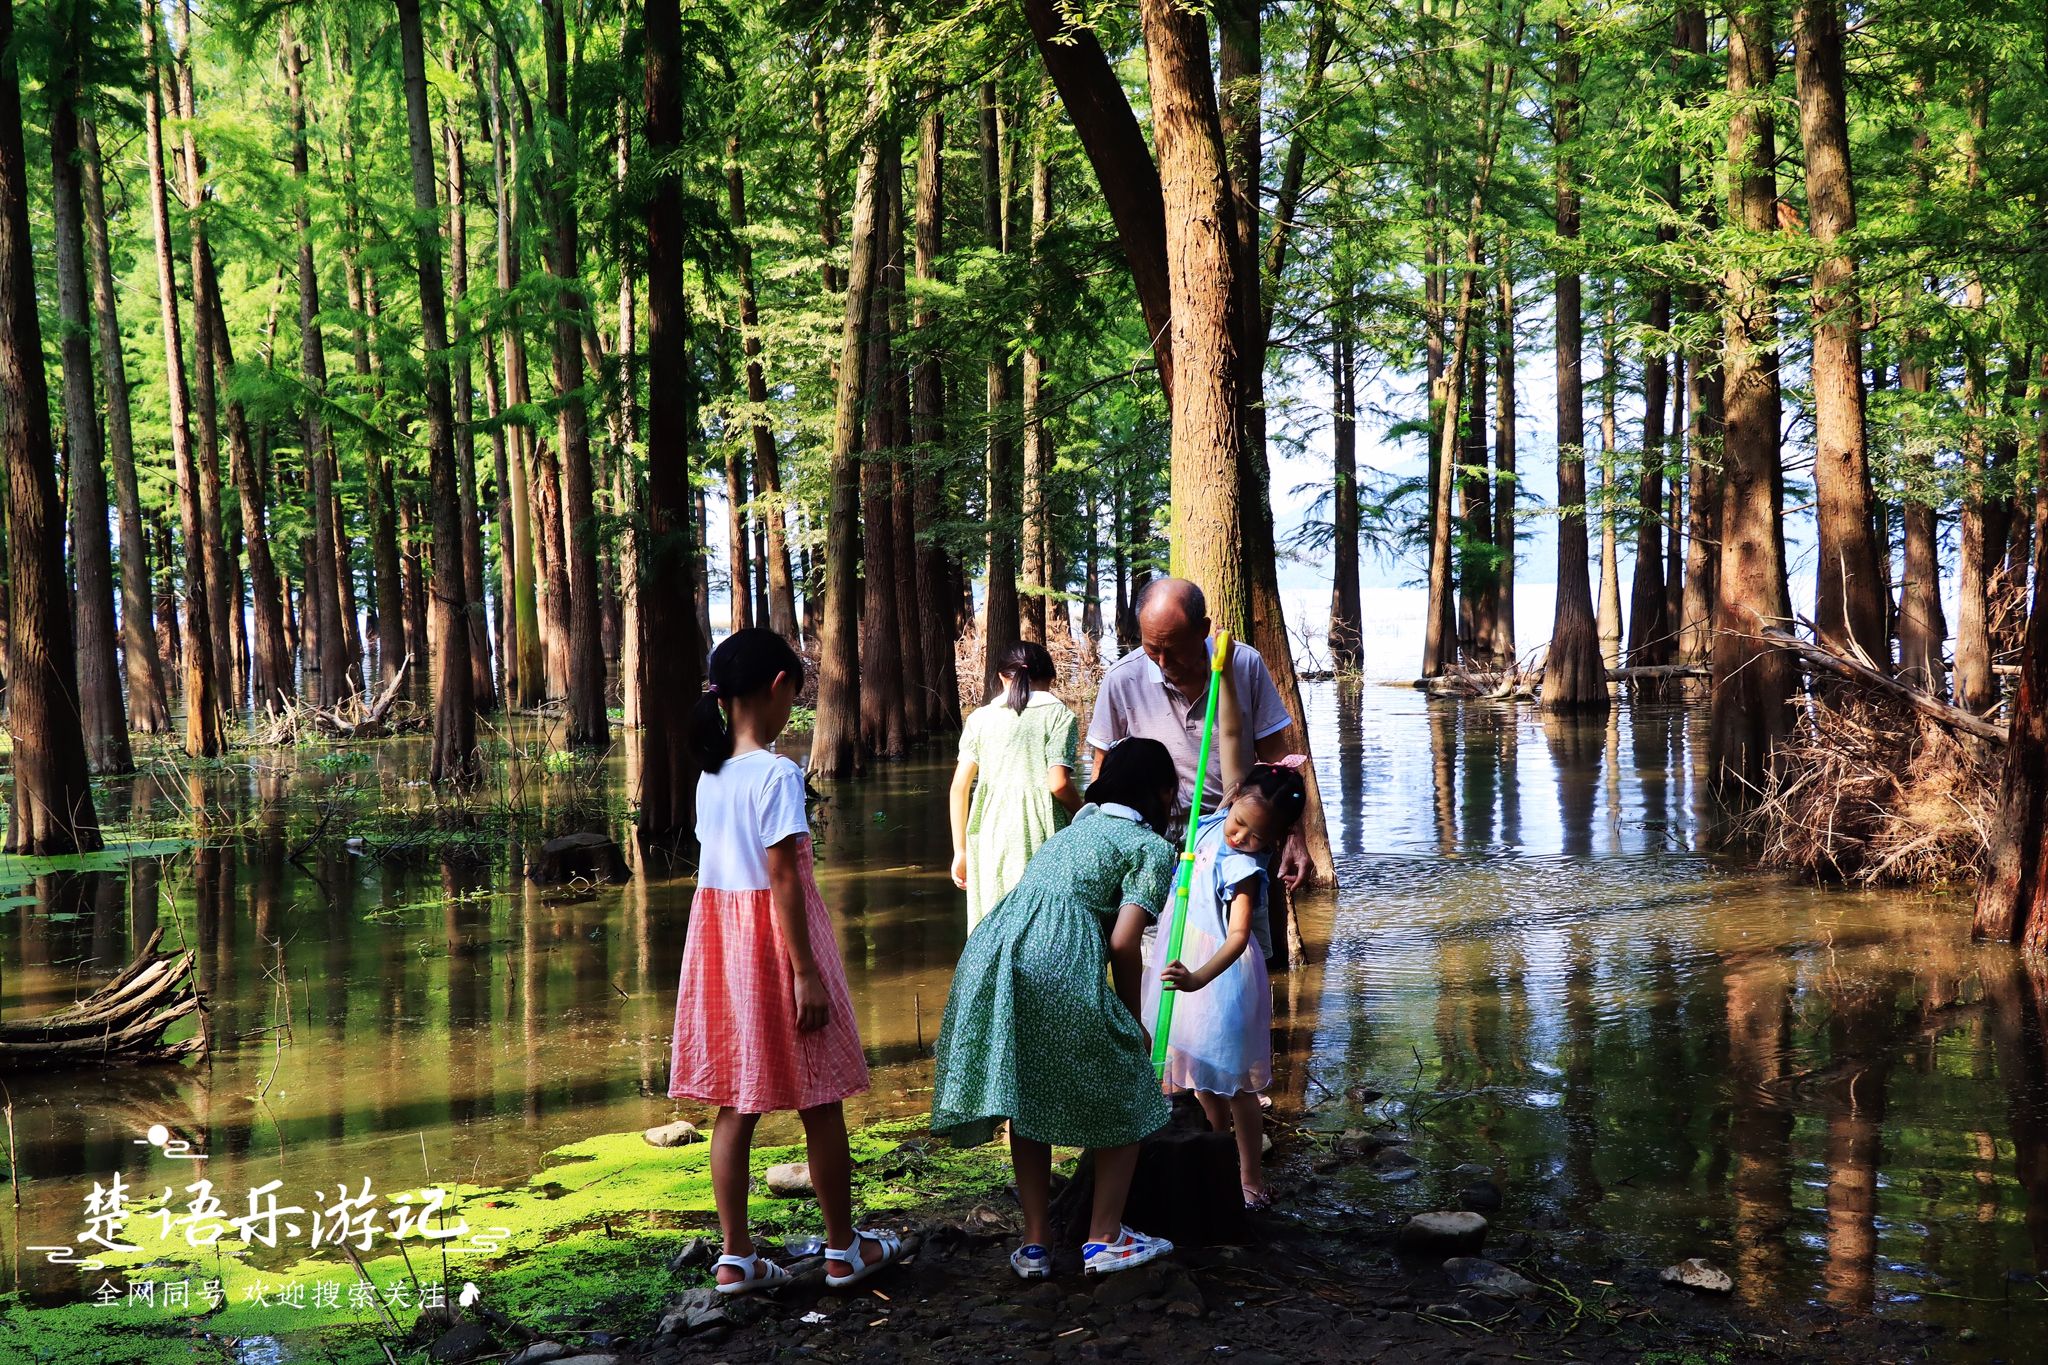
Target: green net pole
column 1184, row 880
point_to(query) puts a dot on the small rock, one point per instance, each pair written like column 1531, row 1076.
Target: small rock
column 590, row 1358
column 463, row 1341
column 1443, row 1233
column 1356, row 1140
column 1265, row 1144
column 790, row 1180
column 1394, row 1159
column 1698, row 1273
column 1298, row 1320
column 1472, row 1272
column 540, row 1353
column 677, row 1134
column 1396, row 1176
column 1472, row 1170
column 1481, row 1196
column 1128, row 1286
column 694, row 1253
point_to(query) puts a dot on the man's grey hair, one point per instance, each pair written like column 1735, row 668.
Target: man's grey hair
column 1179, row 591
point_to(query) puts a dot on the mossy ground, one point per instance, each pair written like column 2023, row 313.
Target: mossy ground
column 586, row 1241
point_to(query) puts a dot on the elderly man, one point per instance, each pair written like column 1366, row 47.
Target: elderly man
column 1162, row 691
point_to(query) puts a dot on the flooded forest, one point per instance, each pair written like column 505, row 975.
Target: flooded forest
column 398, row 403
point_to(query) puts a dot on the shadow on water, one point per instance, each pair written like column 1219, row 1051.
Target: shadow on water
column 1532, row 953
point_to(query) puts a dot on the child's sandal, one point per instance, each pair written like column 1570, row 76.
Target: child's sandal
column 892, row 1250
column 757, row 1273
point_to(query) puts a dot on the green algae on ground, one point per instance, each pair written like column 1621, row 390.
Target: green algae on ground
column 585, row 1242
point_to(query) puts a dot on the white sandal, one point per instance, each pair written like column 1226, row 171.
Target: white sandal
column 892, row 1248
column 757, row 1273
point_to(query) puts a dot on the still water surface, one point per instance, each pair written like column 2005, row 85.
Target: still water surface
column 1533, row 958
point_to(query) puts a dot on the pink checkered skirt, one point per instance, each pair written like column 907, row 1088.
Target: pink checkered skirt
column 736, row 1042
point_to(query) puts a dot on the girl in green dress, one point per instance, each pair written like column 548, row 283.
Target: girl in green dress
column 1014, row 787
column 1034, row 1032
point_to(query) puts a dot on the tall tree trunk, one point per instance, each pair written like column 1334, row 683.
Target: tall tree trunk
column 50, row 808
column 1475, row 504
column 927, row 417
column 1507, row 487
column 915, row 702
column 98, row 678
column 1752, row 682
column 323, row 619
column 1207, row 433
column 1038, row 456
column 882, row 666
column 454, row 753
column 1850, row 606
column 527, row 681
column 1609, row 618
column 1573, row 678
column 148, row 711
column 1703, row 473
column 587, row 721
column 1000, row 607
column 221, row 576
column 483, row 681
column 1649, row 630
column 202, row 699
column 1347, row 650
column 767, row 466
column 1976, row 688
column 835, row 741
column 672, row 672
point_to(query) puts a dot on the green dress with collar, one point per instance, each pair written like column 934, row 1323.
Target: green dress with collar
column 1033, row 1032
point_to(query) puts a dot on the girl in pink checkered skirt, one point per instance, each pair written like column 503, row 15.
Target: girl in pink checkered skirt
column 763, row 1018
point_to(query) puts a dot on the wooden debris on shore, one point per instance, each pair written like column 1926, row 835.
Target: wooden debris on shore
column 353, row 718
column 120, row 1024
column 1521, row 682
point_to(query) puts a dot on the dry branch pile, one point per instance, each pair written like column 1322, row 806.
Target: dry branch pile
column 1869, row 792
column 358, row 717
column 122, row 1022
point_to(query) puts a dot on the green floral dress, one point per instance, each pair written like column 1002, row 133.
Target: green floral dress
column 1013, row 811
column 1033, row 1031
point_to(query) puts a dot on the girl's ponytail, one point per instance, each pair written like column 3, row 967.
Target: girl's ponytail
column 745, row 662
column 1025, row 663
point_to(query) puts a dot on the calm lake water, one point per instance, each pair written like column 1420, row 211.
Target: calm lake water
column 1533, row 958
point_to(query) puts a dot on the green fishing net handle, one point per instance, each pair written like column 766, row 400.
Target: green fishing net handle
column 1183, row 881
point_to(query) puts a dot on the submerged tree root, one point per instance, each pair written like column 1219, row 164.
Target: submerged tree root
column 1866, row 791
column 122, row 1022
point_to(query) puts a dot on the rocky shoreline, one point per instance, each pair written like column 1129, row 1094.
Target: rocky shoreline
column 1312, row 1281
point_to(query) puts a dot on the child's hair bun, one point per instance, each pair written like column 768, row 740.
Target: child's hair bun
column 1278, row 787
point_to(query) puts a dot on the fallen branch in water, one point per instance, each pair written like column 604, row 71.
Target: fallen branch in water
column 122, row 1022
column 1830, row 660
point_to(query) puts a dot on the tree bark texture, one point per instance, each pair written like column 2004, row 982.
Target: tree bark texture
column 928, row 430
column 782, row 617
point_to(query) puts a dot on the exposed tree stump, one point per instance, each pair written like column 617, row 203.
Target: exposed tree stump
column 1185, row 1188
column 588, row 855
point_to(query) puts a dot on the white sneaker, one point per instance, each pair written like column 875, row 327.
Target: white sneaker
column 1129, row 1250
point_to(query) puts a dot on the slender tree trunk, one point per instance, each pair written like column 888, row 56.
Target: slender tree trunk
column 1001, row 609
column 220, row 572
column 883, row 672
column 50, row 807
column 927, row 416
column 103, row 724
column 1573, row 678
column 1976, row 688
column 1505, row 484
column 526, row 681
column 454, row 753
column 586, row 710
column 782, row 617
column 483, row 681
column 1038, row 455
column 835, row 742
column 1703, row 471
column 1649, row 630
column 671, row 671
column 148, row 710
column 202, row 701
column 915, row 705
column 1207, row 433
column 1347, row 650
column 1475, row 512
column 1752, row 682
column 1609, row 620
column 1850, row 606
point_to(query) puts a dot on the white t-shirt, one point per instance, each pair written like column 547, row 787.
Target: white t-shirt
column 754, row 800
